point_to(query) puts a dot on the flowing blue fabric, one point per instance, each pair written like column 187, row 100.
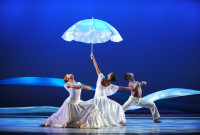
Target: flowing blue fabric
column 40, row 81
column 44, row 81
column 28, row 110
column 168, row 93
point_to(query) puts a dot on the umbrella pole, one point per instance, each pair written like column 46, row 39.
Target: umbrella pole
column 91, row 48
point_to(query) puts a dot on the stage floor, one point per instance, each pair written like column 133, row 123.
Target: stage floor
column 137, row 124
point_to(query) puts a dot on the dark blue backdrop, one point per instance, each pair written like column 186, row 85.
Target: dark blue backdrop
column 161, row 46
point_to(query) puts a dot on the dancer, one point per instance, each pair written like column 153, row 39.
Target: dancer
column 74, row 112
column 111, row 112
column 135, row 98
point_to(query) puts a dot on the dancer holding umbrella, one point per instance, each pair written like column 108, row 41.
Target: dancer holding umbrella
column 111, row 112
column 93, row 31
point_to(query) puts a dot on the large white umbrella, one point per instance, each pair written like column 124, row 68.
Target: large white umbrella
column 92, row 31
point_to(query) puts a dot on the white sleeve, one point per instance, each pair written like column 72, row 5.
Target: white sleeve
column 100, row 78
column 66, row 86
column 79, row 83
column 112, row 89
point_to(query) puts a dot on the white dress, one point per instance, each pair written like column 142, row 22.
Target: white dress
column 75, row 112
column 111, row 112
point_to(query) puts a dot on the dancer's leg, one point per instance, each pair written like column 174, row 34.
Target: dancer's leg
column 129, row 103
column 152, row 107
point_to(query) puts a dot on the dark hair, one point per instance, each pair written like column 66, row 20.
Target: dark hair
column 113, row 77
column 65, row 79
column 129, row 76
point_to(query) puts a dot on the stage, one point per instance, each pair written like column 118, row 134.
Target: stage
column 137, row 124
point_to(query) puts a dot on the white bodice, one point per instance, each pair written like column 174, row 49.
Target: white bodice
column 74, row 94
column 103, row 91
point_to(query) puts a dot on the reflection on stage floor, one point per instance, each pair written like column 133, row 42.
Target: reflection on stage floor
column 137, row 123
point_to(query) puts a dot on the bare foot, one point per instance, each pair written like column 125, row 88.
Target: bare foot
column 123, row 124
column 157, row 121
column 42, row 125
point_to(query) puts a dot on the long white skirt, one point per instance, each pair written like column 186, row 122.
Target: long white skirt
column 76, row 115
column 111, row 112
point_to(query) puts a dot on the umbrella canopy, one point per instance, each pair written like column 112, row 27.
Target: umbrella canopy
column 92, row 31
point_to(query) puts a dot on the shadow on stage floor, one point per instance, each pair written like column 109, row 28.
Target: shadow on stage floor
column 137, row 124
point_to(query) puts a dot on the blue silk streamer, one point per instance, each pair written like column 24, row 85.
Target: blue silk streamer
column 44, row 81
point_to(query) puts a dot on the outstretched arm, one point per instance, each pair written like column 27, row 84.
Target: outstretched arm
column 73, row 86
column 86, row 87
column 124, row 88
column 95, row 64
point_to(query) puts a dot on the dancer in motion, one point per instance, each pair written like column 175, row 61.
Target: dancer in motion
column 111, row 112
column 74, row 112
column 135, row 98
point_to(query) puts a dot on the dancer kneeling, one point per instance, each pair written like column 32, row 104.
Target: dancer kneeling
column 135, row 98
column 111, row 112
column 74, row 112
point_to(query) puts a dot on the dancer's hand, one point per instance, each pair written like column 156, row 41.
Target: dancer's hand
column 86, row 87
column 92, row 56
column 144, row 83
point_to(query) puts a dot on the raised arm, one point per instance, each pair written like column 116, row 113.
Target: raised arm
column 95, row 64
column 86, row 87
